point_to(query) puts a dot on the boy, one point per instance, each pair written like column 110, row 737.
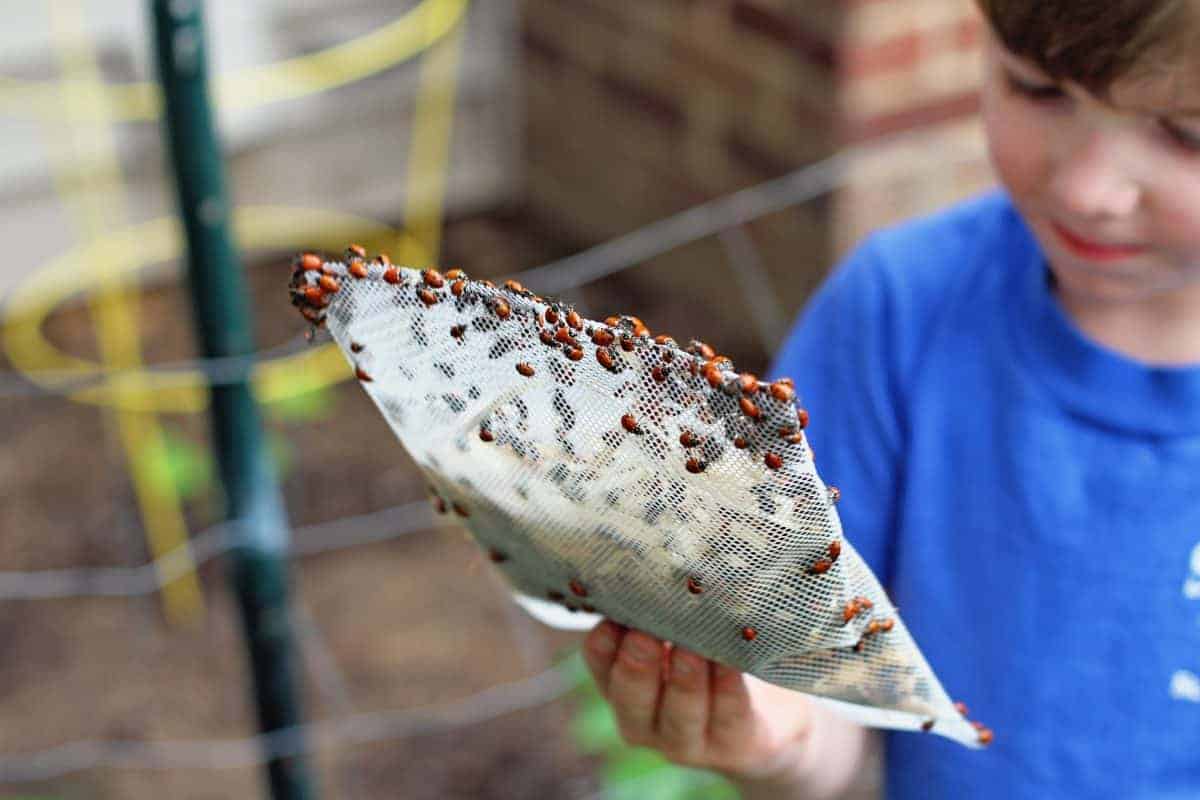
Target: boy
column 1008, row 395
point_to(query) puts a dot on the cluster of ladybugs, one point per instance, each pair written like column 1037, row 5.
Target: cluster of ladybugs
column 314, row 282
column 560, row 328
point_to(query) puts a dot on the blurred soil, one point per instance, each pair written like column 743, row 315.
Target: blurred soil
column 417, row 620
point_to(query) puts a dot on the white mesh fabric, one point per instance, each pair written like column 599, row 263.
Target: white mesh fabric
column 609, row 473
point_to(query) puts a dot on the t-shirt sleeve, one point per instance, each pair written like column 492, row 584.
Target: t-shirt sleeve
column 840, row 354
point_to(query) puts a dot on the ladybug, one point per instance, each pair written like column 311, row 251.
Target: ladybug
column 772, row 460
column 820, row 567
column 310, row 262
column 782, row 392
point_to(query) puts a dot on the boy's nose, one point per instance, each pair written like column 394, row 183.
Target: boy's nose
column 1091, row 182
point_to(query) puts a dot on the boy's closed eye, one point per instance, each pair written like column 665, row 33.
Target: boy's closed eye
column 1179, row 133
column 1186, row 136
column 1032, row 89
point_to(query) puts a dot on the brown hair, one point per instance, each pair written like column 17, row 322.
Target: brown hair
column 1093, row 42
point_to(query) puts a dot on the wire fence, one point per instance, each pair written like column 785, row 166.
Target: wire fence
column 725, row 217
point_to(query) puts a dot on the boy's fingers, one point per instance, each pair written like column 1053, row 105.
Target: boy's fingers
column 600, row 649
column 683, row 713
column 633, row 685
column 731, row 715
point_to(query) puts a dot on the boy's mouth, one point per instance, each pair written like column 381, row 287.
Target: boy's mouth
column 1093, row 250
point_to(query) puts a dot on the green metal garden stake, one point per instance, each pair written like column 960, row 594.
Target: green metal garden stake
column 254, row 506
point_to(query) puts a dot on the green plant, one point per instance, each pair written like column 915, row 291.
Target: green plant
column 313, row 405
column 181, row 464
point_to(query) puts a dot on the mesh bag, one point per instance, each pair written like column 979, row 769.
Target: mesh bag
column 608, row 473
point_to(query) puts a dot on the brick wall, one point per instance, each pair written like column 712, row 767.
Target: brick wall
column 909, row 72
column 638, row 110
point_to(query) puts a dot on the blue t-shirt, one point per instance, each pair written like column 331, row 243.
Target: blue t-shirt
column 1030, row 500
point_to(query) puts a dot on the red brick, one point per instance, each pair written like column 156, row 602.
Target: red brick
column 897, row 53
column 784, row 31
column 968, row 33
column 663, row 108
column 941, row 110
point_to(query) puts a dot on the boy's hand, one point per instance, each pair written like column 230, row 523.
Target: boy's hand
column 696, row 712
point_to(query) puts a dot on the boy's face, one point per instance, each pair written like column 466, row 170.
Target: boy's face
column 1110, row 189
